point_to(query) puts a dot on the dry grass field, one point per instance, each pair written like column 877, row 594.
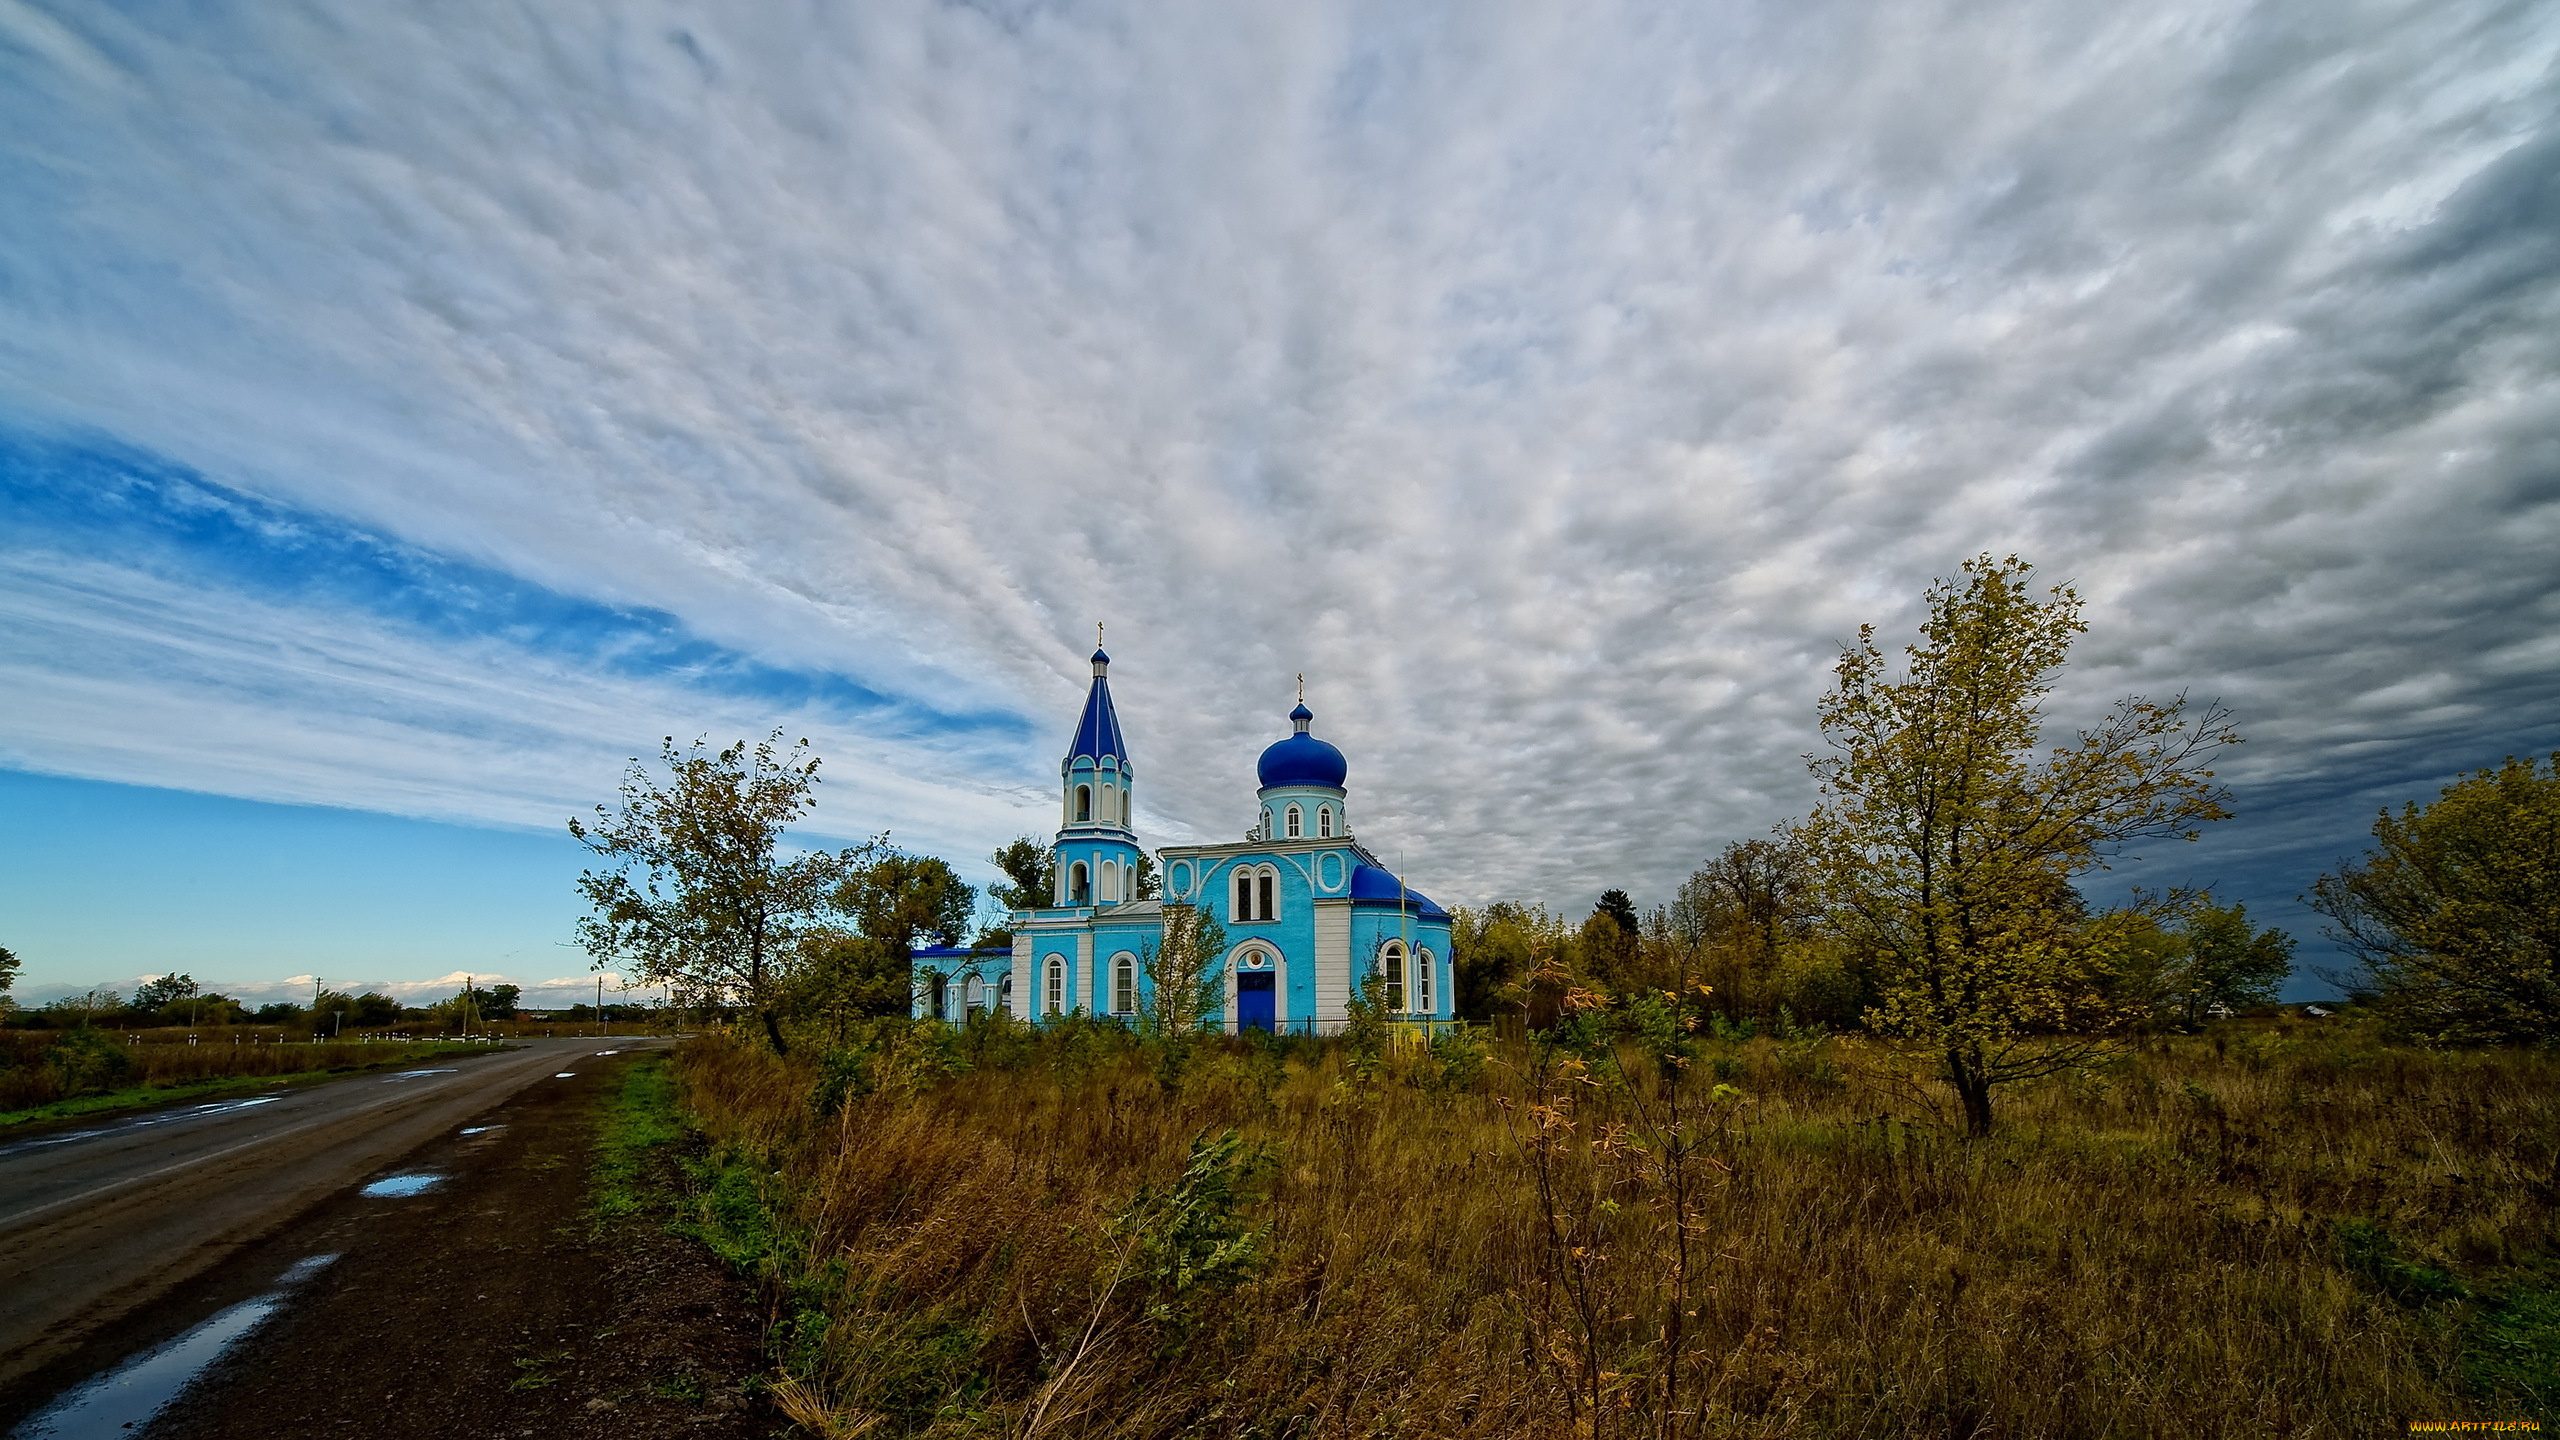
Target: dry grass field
column 2263, row 1232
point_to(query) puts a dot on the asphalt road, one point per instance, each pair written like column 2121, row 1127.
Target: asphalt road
column 97, row 1223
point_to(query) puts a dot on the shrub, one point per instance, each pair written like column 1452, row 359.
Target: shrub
column 88, row 1062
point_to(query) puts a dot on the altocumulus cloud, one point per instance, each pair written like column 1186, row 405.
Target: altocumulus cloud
column 423, row 410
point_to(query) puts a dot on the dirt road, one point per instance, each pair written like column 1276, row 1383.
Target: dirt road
column 99, row 1224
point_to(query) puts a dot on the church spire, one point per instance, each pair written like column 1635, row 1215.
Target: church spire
column 1098, row 733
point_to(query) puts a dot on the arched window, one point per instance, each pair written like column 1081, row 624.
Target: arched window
column 1054, row 987
column 938, row 984
column 1244, row 895
column 975, row 996
column 1324, row 822
column 1124, row 984
column 1110, row 882
column 1391, row 973
column 1110, row 805
column 1084, row 804
column 1079, row 885
column 1425, row 983
column 1268, row 883
column 1296, row 822
column 1004, row 995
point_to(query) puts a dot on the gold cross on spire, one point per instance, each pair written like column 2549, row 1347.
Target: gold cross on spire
column 1302, row 687
column 1097, row 634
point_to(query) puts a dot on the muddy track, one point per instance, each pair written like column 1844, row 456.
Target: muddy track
column 133, row 1236
column 97, row 1224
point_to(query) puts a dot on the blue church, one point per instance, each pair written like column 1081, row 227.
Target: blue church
column 1309, row 912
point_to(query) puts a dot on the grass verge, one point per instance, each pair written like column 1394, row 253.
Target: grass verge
column 145, row 1097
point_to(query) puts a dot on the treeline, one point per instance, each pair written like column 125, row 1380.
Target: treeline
column 177, row 1001
column 1745, row 944
column 1933, row 897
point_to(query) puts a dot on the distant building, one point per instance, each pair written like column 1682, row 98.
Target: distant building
column 1308, row 911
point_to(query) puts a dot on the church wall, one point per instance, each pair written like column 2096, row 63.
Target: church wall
column 1332, row 969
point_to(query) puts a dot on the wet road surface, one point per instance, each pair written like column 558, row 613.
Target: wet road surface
column 98, row 1222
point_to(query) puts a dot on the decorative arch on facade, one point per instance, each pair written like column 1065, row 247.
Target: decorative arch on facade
column 1391, row 972
column 974, row 995
column 1084, row 804
column 1079, row 884
column 1257, row 955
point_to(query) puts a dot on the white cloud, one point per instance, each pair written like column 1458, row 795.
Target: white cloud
column 1554, row 387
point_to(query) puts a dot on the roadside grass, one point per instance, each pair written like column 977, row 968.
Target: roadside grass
column 2305, row 1233
column 308, row 1064
column 641, row 1120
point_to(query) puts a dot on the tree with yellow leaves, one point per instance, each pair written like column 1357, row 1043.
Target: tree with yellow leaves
column 1947, row 843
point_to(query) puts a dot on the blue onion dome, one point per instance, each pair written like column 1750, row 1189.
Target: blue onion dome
column 1368, row 882
column 1302, row 759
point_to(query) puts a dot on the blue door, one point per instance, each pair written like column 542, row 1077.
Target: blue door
column 1254, row 1000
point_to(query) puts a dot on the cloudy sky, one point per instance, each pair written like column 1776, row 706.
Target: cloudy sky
column 406, row 417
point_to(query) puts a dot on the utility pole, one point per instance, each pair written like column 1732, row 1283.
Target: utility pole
column 608, row 1025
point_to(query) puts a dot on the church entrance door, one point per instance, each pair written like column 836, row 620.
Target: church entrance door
column 1255, row 1000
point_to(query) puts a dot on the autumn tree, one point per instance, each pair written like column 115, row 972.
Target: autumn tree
column 1492, row 952
column 2454, row 914
column 699, row 897
column 1948, row 844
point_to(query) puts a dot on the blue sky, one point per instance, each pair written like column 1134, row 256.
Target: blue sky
column 407, row 416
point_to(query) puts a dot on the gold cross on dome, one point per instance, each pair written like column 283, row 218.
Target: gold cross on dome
column 1302, row 687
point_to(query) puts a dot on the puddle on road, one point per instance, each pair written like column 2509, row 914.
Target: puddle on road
column 412, row 1075
column 481, row 1129
column 566, row 1075
column 602, row 1053
column 130, row 1396
column 395, row 1187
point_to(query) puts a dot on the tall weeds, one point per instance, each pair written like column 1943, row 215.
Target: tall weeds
column 2209, row 1238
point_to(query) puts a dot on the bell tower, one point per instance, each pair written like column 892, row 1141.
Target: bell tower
column 1097, row 853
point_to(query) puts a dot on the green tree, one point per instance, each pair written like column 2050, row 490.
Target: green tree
column 8, row 976
column 373, row 1009
column 1620, row 908
column 895, row 900
column 2224, row 961
column 1490, row 952
column 160, row 992
column 1026, row 862
column 1947, row 844
column 2454, row 914
column 698, row 897
column 498, row 1002
column 1184, row 987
